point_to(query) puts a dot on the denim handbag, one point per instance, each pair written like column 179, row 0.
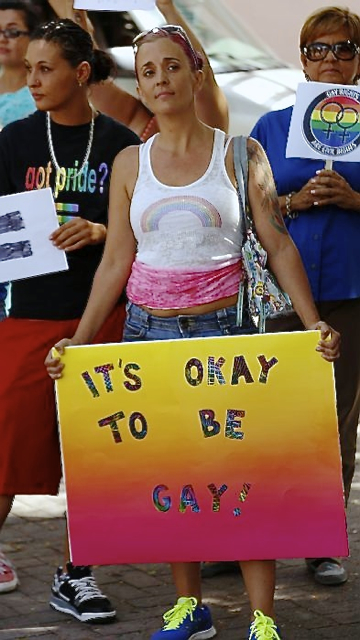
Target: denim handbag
column 265, row 297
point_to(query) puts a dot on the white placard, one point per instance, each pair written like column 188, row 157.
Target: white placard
column 114, row 5
column 26, row 222
column 325, row 123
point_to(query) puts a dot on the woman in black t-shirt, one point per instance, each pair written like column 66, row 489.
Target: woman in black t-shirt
column 69, row 147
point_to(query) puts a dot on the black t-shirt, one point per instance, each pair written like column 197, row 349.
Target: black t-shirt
column 25, row 164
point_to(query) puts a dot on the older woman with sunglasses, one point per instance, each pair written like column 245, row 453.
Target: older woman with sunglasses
column 182, row 268
column 322, row 212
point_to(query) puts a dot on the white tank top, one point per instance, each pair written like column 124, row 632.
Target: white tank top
column 183, row 232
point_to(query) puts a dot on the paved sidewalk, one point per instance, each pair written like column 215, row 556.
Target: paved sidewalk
column 141, row 593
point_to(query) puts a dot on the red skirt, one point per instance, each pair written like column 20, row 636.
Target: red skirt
column 29, row 444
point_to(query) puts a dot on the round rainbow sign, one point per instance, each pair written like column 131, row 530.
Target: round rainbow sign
column 332, row 122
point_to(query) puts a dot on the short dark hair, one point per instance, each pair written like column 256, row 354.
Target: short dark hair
column 32, row 15
column 329, row 20
column 76, row 46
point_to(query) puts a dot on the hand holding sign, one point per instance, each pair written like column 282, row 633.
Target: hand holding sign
column 53, row 362
column 329, row 188
column 77, row 233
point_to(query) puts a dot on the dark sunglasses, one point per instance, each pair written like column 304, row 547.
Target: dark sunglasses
column 168, row 29
column 345, row 50
column 11, row 34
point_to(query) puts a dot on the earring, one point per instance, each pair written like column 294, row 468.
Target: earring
column 307, row 77
column 80, row 83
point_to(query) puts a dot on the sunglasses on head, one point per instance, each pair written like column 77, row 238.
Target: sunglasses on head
column 345, row 50
column 168, row 29
column 11, row 34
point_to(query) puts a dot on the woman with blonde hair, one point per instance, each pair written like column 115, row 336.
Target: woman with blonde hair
column 178, row 288
column 110, row 98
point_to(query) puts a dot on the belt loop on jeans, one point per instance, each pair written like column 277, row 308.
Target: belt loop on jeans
column 145, row 318
column 139, row 313
column 223, row 317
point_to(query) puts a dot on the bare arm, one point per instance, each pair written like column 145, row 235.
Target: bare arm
column 211, row 104
column 112, row 100
column 108, row 97
column 283, row 256
column 114, row 269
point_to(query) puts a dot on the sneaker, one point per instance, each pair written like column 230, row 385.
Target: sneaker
column 329, row 571
column 77, row 594
column 8, row 578
column 263, row 628
column 186, row 621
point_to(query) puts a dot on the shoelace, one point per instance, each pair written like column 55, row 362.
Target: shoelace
column 263, row 627
column 175, row 616
column 86, row 588
column 5, row 566
column 4, row 569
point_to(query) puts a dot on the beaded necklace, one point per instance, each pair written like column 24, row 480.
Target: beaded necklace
column 88, row 147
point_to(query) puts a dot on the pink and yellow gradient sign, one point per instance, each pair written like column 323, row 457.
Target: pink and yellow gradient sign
column 209, row 449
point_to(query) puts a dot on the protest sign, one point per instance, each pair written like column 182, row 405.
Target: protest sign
column 204, row 449
column 26, row 222
column 114, row 5
column 325, row 123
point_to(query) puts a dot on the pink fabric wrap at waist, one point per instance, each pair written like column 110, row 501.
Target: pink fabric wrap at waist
column 170, row 289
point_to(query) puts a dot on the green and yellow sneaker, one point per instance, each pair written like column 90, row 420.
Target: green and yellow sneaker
column 186, row 621
column 263, row 628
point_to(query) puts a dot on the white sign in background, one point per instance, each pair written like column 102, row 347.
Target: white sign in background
column 114, row 5
column 26, row 222
column 297, row 145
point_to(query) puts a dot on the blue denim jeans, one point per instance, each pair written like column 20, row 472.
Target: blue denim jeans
column 140, row 325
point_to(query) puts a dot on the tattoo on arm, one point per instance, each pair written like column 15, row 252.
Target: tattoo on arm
column 265, row 181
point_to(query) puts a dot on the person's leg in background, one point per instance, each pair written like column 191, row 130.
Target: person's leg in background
column 344, row 316
column 34, row 467
column 8, row 577
column 74, row 590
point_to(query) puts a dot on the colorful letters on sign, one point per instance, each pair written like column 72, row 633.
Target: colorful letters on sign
column 208, row 449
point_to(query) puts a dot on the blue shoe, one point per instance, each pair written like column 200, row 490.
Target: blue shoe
column 263, row 628
column 186, row 621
